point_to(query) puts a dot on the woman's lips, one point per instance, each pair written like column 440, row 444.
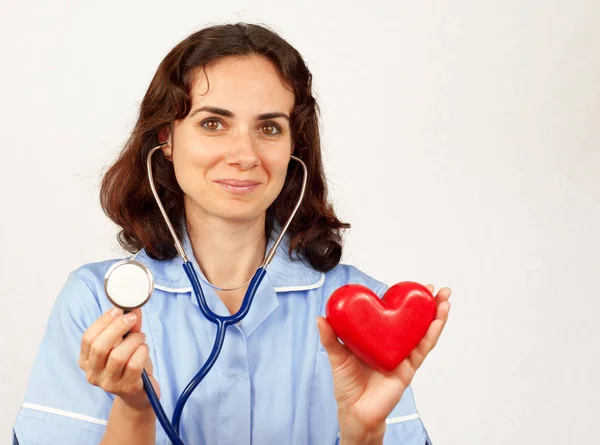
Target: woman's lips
column 237, row 186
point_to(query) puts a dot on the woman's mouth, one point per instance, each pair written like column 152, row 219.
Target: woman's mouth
column 237, row 186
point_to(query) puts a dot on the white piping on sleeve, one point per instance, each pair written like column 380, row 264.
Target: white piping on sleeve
column 392, row 420
column 60, row 412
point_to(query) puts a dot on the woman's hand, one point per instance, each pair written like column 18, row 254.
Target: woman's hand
column 115, row 364
column 366, row 397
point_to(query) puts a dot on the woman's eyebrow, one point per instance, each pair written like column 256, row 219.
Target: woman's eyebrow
column 226, row 113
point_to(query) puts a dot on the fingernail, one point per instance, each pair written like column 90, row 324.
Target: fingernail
column 130, row 318
column 116, row 311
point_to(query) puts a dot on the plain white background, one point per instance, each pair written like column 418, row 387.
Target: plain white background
column 461, row 139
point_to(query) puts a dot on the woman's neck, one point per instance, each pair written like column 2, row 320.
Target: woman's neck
column 227, row 252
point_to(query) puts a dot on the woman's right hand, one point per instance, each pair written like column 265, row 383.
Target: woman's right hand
column 114, row 363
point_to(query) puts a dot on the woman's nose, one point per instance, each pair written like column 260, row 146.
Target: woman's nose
column 243, row 152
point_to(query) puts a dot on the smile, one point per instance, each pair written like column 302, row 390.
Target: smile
column 236, row 186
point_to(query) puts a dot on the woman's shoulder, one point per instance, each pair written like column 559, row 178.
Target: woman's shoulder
column 84, row 286
column 343, row 274
column 93, row 273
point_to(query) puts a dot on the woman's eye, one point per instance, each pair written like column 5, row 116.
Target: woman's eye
column 270, row 129
column 212, row 125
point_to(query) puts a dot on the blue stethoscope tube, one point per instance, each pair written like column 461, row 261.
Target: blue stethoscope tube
column 172, row 428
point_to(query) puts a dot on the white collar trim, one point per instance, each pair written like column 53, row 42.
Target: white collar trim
column 181, row 290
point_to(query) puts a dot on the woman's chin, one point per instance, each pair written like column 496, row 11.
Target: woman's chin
column 231, row 210
column 240, row 215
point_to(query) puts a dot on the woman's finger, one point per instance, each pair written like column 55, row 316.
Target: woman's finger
column 417, row 356
column 443, row 295
column 94, row 330
column 106, row 341
column 137, row 327
column 132, row 374
column 120, row 355
column 148, row 366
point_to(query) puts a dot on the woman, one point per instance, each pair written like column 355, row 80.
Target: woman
column 233, row 103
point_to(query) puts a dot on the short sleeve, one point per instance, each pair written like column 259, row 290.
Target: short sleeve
column 60, row 406
column 404, row 425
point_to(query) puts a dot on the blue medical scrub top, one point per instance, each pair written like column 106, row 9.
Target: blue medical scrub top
column 272, row 383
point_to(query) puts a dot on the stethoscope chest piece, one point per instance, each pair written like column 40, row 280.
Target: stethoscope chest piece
column 128, row 284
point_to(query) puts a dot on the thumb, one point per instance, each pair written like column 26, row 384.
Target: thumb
column 155, row 384
column 336, row 351
column 137, row 327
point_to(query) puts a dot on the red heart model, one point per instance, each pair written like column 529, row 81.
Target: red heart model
column 381, row 332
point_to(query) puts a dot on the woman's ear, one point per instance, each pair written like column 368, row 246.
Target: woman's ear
column 164, row 135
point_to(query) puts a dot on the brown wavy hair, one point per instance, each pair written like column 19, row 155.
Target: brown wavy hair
column 125, row 194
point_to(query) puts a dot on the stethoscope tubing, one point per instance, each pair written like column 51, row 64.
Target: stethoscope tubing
column 172, row 428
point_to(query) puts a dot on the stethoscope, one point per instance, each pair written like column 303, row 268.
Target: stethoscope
column 129, row 285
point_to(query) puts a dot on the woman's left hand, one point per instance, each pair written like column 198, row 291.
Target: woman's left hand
column 366, row 397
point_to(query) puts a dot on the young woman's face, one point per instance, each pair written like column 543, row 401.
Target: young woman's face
column 231, row 152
